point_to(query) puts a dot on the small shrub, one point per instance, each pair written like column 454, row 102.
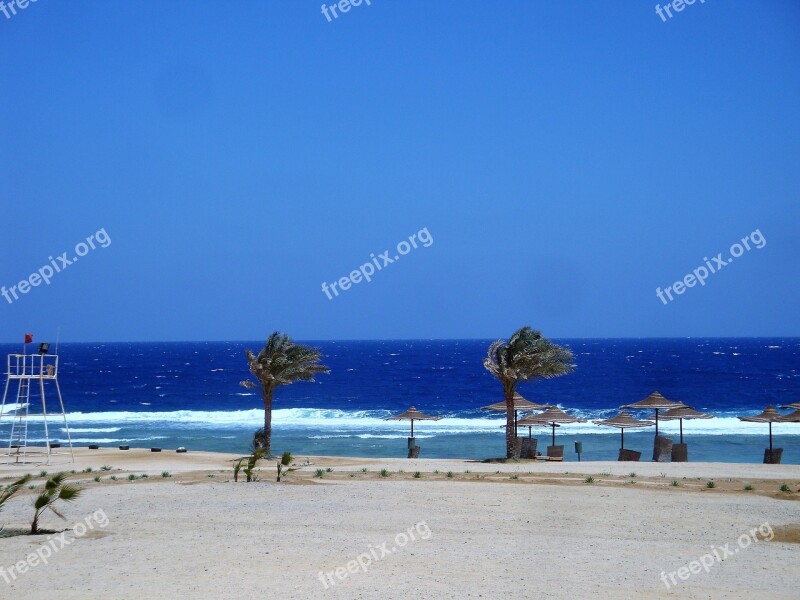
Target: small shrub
column 319, row 473
column 436, row 472
column 105, row 468
column 417, row 475
column 42, row 473
column 467, row 472
column 31, row 487
column 748, row 488
column 401, row 471
column 210, row 475
column 97, row 479
column 384, row 473
column 450, row 475
column 588, row 479
column 785, row 488
column 87, row 470
column 710, row 485
column 675, row 483
column 166, row 474
column 365, row 470
column 113, row 478
column 132, row 477
column 514, row 476
column 329, row 470
column 143, row 476
column 73, row 471
column 631, row 474
column 497, row 472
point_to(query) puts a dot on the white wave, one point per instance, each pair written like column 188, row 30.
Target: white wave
column 92, row 429
column 101, row 440
column 371, row 422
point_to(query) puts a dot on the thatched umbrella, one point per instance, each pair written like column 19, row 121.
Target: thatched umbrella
column 520, row 403
column 551, row 417
column 794, row 405
column 682, row 413
column 412, row 414
column 530, row 425
column 654, row 401
column 769, row 415
column 623, row 421
column 792, row 417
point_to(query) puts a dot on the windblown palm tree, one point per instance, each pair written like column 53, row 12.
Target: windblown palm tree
column 527, row 355
column 55, row 489
column 11, row 489
column 280, row 362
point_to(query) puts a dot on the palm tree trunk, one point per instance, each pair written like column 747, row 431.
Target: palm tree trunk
column 508, row 391
column 267, row 394
column 35, row 523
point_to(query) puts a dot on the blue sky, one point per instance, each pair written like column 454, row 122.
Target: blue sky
column 567, row 159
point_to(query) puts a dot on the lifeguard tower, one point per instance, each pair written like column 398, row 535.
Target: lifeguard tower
column 28, row 413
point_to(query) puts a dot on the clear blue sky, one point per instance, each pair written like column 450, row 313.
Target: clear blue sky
column 567, row 158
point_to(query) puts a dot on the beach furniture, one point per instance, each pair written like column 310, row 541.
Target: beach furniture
column 412, row 414
column 520, row 403
column 124, row 447
column 552, row 417
column 680, row 452
column 94, row 447
column 772, row 456
column 623, row 420
column 662, row 446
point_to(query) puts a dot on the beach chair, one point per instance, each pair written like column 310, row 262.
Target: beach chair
column 555, row 453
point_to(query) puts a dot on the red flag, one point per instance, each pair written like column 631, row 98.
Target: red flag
column 28, row 338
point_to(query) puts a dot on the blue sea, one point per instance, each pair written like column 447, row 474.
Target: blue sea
column 188, row 394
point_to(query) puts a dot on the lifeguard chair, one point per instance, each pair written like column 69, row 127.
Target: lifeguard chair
column 33, row 374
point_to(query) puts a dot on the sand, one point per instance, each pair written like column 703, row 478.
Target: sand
column 545, row 534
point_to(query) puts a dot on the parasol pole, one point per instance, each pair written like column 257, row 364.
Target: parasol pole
column 770, row 439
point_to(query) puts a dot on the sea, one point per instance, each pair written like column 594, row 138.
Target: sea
column 188, row 394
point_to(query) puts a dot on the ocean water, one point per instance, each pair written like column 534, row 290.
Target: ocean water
column 188, row 394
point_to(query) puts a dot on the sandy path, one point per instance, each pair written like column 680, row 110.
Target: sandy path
column 207, row 538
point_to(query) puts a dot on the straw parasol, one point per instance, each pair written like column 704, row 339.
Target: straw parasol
column 684, row 413
column 769, row 415
column 794, row 405
column 623, row 421
column 412, row 414
column 654, row 401
column 520, row 403
column 551, row 417
column 792, row 417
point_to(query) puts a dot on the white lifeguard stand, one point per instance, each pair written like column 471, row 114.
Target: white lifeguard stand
column 32, row 370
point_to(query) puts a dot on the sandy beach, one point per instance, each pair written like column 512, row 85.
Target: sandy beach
column 488, row 531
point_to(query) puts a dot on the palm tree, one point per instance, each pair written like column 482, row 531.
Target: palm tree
column 55, row 489
column 11, row 489
column 280, row 362
column 526, row 356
